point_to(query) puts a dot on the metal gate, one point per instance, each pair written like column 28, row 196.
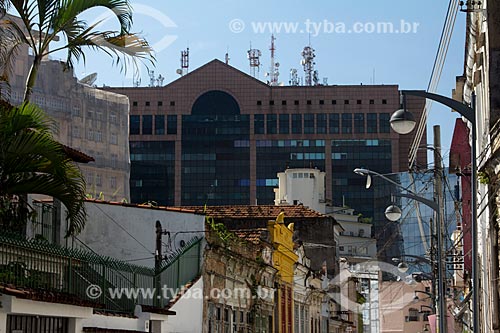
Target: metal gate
column 36, row 324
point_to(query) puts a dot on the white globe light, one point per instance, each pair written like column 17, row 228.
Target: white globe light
column 402, row 121
column 403, row 267
column 393, row 213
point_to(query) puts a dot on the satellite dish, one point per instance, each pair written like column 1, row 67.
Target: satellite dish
column 89, row 79
column 277, row 64
column 179, row 71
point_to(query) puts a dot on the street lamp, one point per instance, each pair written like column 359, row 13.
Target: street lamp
column 401, row 121
column 435, row 207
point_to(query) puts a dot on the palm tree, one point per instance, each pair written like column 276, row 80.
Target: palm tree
column 44, row 21
column 31, row 161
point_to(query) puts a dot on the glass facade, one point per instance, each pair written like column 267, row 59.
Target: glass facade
column 274, row 156
column 215, row 152
column 152, row 173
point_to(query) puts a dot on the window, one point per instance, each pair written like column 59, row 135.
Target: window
column 358, row 101
column 321, row 123
column 98, row 136
column 172, row 124
column 259, row 102
column 272, row 124
column 147, row 124
column 284, row 124
column 384, row 101
column 172, row 103
column 114, row 159
column 383, row 121
column 346, row 101
column 98, row 180
column 113, row 139
column 296, row 124
column 309, row 123
column 341, row 248
column 76, row 132
column 309, row 102
column 148, row 103
column 283, row 102
column 271, row 102
column 112, row 182
column 371, row 123
column 334, row 123
column 160, row 103
column 113, row 118
column 359, row 123
column 135, row 122
column 372, row 101
column 159, row 124
column 346, row 123
column 134, row 103
column 296, row 102
column 321, row 102
column 334, row 101
column 258, row 124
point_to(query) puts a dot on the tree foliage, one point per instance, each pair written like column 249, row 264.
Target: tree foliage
column 33, row 162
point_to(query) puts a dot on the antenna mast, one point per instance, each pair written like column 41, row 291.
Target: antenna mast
column 254, row 59
column 185, row 61
column 273, row 72
column 308, row 63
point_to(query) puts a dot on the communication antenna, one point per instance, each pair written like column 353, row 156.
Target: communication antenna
column 227, row 58
column 308, row 63
column 294, row 77
column 273, row 71
column 153, row 80
column 185, row 61
column 137, row 83
column 89, row 79
column 316, row 77
column 325, row 81
column 254, row 59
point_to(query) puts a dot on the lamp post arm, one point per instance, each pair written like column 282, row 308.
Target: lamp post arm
column 371, row 172
column 427, row 261
column 461, row 108
column 431, row 204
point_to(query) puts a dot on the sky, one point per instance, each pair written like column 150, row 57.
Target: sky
column 349, row 48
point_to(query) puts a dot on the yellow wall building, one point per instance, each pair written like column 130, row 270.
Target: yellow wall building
column 284, row 259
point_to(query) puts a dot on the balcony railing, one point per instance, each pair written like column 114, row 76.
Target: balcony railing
column 39, row 266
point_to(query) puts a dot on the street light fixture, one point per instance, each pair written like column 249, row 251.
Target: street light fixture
column 435, row 207
column 393, row 213
column 401, row 122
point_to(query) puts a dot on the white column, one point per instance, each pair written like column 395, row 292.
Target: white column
column 75, row 325
column 3, row 322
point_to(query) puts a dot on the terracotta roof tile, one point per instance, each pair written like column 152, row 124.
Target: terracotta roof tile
column 146, row 206
column 251, row 235
column 269, row 212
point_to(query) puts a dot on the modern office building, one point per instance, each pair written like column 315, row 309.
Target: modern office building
column 220, row 136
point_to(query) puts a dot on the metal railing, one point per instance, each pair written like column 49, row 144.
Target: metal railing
column 40, row 266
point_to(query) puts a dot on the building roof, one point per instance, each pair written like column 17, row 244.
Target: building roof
column 268, row 212
column 251, row 235
column 189, row 210
column 76, row 155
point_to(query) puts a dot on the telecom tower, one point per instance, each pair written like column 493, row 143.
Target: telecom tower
column 254, row 59
column 294, row 77
column 311, row 76
column 273, row 70
column 184, row 63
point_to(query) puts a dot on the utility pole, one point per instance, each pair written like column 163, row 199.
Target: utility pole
column 440, row 227
column 158, row 260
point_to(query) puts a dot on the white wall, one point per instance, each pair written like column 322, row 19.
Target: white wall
column 128, row 233
column 189, row 311
column 298, row 185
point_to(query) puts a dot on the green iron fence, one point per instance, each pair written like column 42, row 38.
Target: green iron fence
column 39, row 265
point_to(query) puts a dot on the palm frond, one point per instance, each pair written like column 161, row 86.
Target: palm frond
column 31, row 161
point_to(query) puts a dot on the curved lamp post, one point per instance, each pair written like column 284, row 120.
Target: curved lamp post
column 393, row 213
column 402, row 123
